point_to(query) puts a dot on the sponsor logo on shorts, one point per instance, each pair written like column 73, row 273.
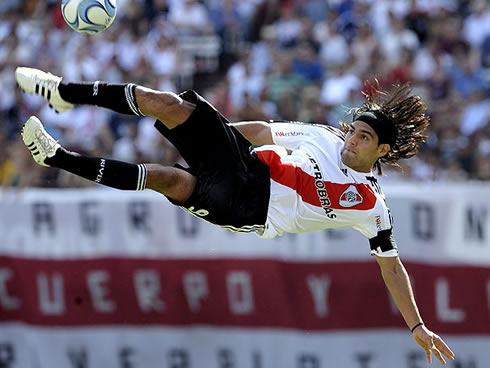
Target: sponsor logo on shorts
column 378, row 223
column 350, row 197
column 200, row 213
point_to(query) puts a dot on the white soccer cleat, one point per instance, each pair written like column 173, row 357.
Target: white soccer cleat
column 38, row 141
column 37, row 82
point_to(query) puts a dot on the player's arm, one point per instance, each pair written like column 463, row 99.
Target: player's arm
column 257, row 132
column 398, row 283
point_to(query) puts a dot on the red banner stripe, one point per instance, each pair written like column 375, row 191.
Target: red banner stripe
column 278, row 293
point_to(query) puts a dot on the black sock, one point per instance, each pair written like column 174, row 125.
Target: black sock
column 118, row 97
column 115, row 174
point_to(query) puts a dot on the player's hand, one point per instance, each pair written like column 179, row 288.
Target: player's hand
column 432, row 343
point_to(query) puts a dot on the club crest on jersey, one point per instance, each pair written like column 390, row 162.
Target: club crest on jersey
column 350, row 197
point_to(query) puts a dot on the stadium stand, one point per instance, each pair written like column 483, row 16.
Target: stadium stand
column 254, row 59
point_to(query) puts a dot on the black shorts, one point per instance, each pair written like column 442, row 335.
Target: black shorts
column 233, row 185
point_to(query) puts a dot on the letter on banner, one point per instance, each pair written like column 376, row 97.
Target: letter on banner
column 90, row 222
column 98, row 291
column 147, row 286
column 308, row 361
column 139, row 214
column 414, row 358
column 364, row 359
column 188, row 225
column 78, row 358
column 178, row 358
column 240, row 294
column 226, row 358
column 51, row 303
column 423, row 221
column 7, row 355
column 444, row 312
column 257, row 360
column 195, row 289
column 43, row 215
column 125, row 357
column 318, row 286
column 475, row 224
column 7, row 301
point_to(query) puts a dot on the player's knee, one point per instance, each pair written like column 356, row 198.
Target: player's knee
column 161, row 176
column 170, row 181
column 157, row 97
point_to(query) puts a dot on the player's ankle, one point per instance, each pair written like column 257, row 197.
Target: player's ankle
column 55, row 160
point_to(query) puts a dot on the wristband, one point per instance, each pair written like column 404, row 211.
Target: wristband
column 417, row 325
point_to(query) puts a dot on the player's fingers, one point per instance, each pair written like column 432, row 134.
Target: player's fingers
column 438, row 354
column 442, row 346
column 428, row 353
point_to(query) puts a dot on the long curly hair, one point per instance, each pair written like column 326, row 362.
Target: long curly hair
column 404, row 110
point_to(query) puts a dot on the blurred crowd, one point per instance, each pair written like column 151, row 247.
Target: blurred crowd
column 300, row 60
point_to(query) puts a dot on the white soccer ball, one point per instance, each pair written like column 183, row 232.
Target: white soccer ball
column 89, row 16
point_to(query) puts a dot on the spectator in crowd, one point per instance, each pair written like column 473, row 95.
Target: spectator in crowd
column 338, row 85
column 243, row 82
column 288, row 26
column 476, row 26
column 334, row 49
column 283, row 79
column 190, row 17
column 465, row 73
column 299, row 60
column 7, row 167
column 307, row 64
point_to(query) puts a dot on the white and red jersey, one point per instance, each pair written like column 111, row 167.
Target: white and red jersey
column 311, row 189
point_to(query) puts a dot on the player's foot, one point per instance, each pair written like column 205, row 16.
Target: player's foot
column 38, row 141
column 37, row 82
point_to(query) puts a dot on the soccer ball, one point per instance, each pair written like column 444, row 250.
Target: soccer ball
column 88, row 16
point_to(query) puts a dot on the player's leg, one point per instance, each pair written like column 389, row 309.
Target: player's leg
column 172, row 182
column 123, row 98
column 129, row 98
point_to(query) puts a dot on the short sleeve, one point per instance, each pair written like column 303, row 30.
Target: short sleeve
column 383, row 244
column 291, row 134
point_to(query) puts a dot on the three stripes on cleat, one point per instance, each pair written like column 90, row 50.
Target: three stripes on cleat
column 33, row 149
column 43, row 90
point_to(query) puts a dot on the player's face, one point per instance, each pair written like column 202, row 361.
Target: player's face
column 361, row 148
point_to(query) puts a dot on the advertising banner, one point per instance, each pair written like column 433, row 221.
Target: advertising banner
column 92, row 278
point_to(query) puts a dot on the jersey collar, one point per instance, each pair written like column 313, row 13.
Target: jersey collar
column 348, row 172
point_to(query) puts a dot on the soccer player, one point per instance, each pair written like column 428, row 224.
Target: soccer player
column 254, row 176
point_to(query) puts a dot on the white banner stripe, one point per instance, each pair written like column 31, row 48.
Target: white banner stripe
column 441, row 224
column 203, row 347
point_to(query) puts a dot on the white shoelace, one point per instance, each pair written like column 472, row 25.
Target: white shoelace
column 46, row 143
